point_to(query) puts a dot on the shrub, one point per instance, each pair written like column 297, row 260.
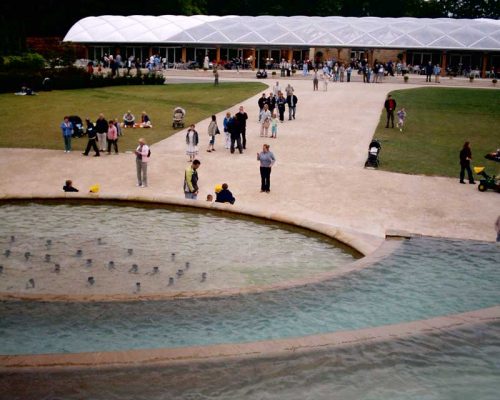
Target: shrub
column 494, row 81
column 71, row 78
column 25, row 62
column 471, row 78
column 406, row 78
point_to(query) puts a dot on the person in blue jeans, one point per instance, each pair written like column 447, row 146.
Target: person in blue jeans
column 67, row 131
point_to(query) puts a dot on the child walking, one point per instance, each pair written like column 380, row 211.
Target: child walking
column 192, row 143
column 274, row 126
column 401, row 119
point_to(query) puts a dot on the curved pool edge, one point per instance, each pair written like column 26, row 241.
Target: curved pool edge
column 239, row 351
column 365, row 244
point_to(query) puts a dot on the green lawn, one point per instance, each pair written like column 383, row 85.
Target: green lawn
column 33, row 121
column 439, row 121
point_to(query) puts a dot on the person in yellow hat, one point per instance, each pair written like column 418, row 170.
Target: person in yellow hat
column 94, row 188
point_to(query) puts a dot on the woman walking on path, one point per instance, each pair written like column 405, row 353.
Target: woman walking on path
column 212, row 130
column 192, row 143
column 315, row 80
column 465, row 157
column 267, row 160
column 67, row 131
column 265, row 120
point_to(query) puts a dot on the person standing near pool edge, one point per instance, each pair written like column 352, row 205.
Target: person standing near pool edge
column 191, row 181
column 267, row 160
column 390, row 106
column 241, row 117
column 141, row 162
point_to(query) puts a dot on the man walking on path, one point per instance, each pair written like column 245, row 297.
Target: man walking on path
column 291, row 100
column 241, row 124
column 191, row 181
column 390, row 106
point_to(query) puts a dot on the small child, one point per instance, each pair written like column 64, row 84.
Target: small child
column 401, row 119
column 210, row 197
column 274, row 126
column 68, row 187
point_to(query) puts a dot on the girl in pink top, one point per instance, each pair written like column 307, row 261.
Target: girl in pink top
column 112, row 137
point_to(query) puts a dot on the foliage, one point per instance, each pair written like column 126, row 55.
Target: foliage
column 71, row 78
column 439, row 121
column 25, row 62
column 37, row 118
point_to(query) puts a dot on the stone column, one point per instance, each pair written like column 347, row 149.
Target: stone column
column 254, row 55
column 339, row 56
column 150, row 51
column 403, row 61
column 485, row 63
column 290, row 55
column 183, row 55
column 443, row 63
column 217, row 54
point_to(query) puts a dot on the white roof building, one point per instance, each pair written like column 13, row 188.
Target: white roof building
column 296, row 31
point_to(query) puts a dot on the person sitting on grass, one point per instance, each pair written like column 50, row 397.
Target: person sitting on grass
column 68, row 186
column 145, row 121
column 225, row 195
column 128, row 120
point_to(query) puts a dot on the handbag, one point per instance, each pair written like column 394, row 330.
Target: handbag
column 217, row 132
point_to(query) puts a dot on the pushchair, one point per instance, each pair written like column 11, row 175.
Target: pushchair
column 373, row 154
column 178, row 119
column 77, row 126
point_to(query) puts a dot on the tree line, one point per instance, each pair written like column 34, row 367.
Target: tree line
column 19, row 20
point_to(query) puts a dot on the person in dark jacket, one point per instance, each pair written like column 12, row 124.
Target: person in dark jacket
column 262, row 101
column 465, row 157
column 429, row 69
column 232, row 127
column 291, row 100
column 390, row 106
column 68, row 186
column 101, row 127
column 242, row 117
column 92, row 136
column 225, row 195
column 280, row 102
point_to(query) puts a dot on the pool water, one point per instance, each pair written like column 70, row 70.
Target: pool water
column 233, row 252
column 457, row 364
column 423, row 278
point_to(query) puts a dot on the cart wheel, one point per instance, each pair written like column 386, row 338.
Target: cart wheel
column 482, row 187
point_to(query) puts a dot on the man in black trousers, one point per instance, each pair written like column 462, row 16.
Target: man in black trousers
column 241, row 124
column 390, row 106
column 92, row 136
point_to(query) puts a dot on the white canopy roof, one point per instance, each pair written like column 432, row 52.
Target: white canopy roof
column 297, row 31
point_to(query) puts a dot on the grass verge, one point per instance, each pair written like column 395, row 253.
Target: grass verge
column 33, row 121
column 439, row 121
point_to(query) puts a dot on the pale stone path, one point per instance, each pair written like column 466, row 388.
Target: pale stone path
column 319, row 175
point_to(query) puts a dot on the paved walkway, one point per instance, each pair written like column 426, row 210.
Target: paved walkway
column 319, row 175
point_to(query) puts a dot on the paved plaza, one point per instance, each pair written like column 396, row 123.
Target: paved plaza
column 319, row 176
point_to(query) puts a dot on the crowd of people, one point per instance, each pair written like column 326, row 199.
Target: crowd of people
column 103, row 134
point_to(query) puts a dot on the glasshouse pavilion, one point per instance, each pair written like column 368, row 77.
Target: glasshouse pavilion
column 449, row 42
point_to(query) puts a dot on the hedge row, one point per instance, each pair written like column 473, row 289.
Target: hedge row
column 70, row 78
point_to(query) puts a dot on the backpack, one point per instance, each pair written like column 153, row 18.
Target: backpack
column 149, row 153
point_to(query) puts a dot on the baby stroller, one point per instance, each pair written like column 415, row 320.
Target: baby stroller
column 178, row 120
column 373, row 153
column 77, row 126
